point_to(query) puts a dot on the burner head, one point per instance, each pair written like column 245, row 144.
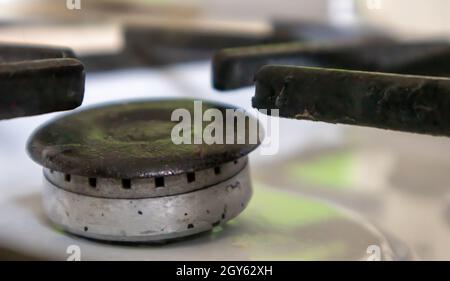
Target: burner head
column 130, row 140
column 113, row 172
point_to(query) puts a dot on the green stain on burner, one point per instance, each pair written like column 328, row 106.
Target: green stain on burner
column 217, row 229
column 57, row 229
column 334, row 171
column 216, row 232
column 130, row 140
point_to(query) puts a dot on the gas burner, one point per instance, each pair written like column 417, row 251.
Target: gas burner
column 113, row 173
column 36, row 80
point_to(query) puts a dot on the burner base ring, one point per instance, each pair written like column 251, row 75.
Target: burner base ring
column 148, row 219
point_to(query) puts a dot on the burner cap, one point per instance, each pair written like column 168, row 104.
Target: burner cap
column 112, row 172
column 128, row 140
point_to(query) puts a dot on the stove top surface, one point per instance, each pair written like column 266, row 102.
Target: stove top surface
column 302, row 228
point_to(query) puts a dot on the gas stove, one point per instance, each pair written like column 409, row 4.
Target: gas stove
column 332, row 192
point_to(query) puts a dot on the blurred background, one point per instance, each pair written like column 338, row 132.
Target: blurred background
column 398, row 183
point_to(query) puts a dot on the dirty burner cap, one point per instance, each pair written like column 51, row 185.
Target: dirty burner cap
column 113, row 173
